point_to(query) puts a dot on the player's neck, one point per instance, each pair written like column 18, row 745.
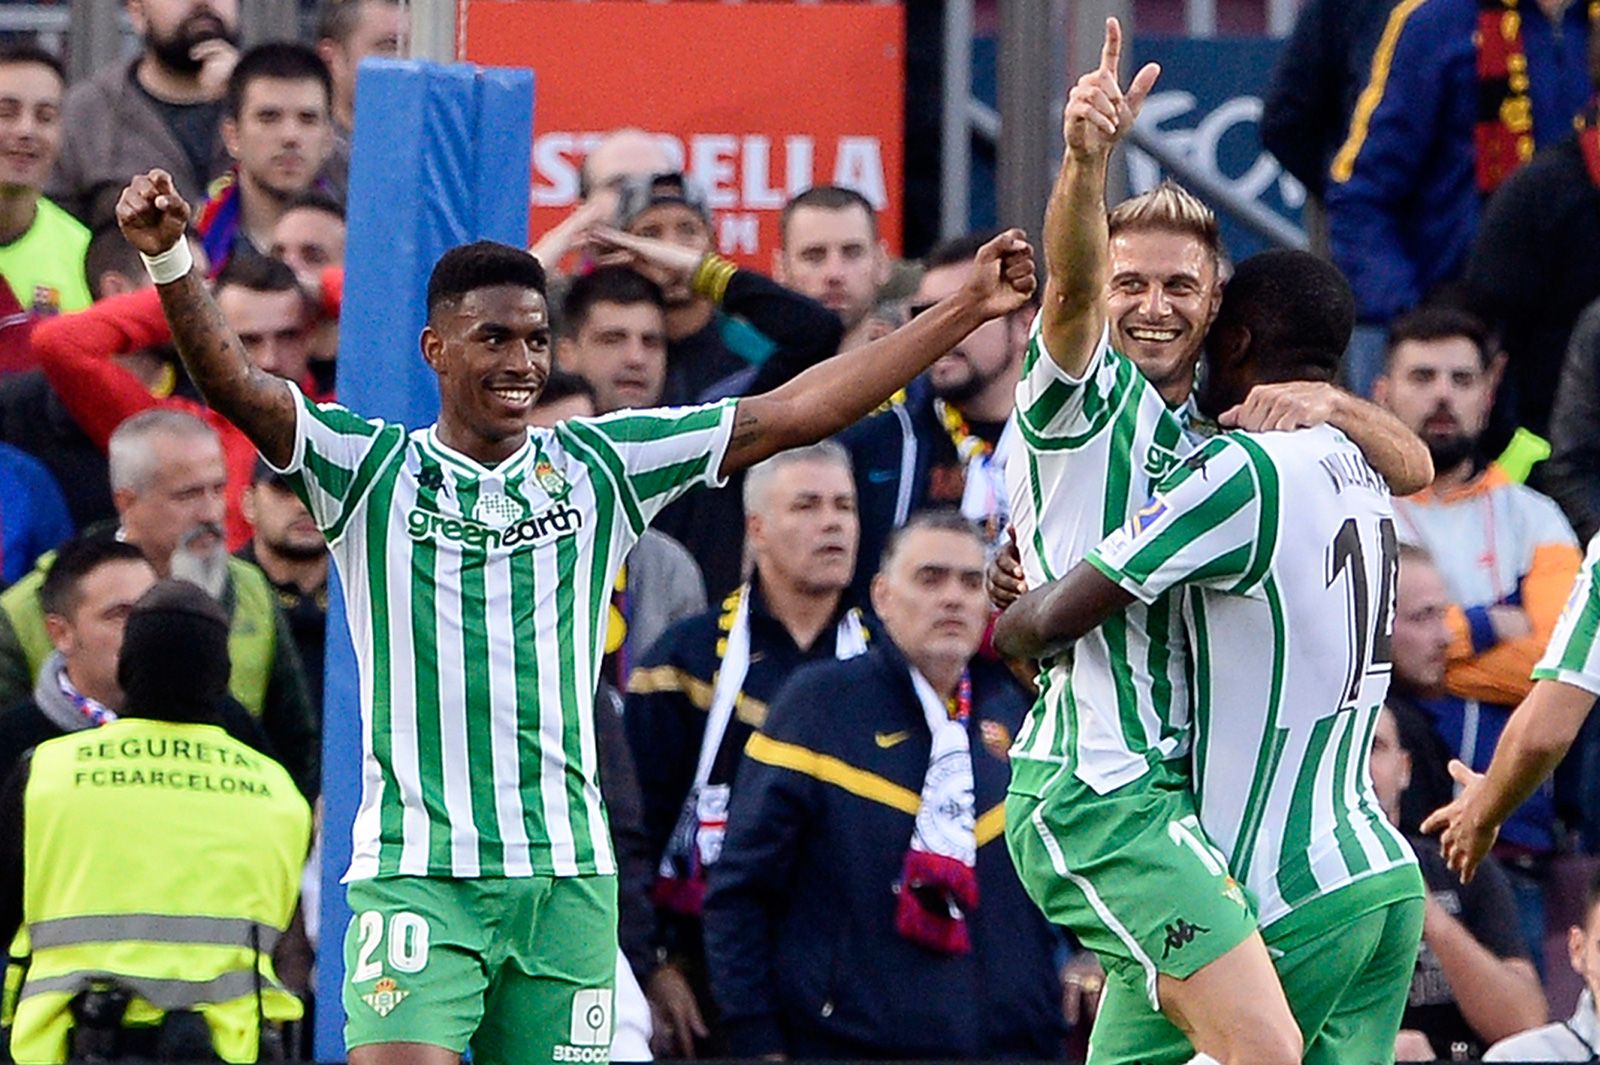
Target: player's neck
column 18, row 209
column 477, row 447
column 804, row 612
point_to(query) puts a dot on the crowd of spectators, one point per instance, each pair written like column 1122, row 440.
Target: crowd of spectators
column 756, row 742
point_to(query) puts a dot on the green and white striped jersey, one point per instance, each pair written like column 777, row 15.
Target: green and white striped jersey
column 1289, row 618
column 1573, row 656
column 475, row 600
column 1092, row 451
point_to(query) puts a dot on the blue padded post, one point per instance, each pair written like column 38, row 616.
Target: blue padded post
column 442, row 156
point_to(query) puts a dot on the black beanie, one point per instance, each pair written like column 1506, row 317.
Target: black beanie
column 174, row 664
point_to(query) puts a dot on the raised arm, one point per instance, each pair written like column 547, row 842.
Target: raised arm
column 153, row 217
column 1397, row 453
column 839, row 391
column 1097, row 115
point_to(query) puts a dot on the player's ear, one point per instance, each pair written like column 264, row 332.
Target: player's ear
column 1228, row 346
column 432, row 345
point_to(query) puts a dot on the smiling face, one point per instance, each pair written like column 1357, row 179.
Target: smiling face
column 1161, row 297
column 491, row 350
column 30, row 125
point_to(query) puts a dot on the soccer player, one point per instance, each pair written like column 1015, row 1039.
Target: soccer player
column 1103, row 410
column 1286, row 544
column 1566, row 683
column 478, row 556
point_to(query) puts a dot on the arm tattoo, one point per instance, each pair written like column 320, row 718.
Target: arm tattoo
column 251, row 399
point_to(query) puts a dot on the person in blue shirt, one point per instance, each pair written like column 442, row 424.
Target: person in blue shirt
column 33, row 514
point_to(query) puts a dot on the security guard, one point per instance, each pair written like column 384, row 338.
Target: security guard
column 152, row 864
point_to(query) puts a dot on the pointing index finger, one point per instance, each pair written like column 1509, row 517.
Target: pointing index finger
column 1111, row 51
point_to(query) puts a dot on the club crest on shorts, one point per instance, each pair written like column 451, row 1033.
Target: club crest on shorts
column 384, row 996
column 550, row 479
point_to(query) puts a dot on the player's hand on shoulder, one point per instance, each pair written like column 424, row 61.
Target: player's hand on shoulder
column 1283, row 407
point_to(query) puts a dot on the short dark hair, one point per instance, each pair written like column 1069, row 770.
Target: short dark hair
column 312, row 200
column 957, row 250
column 562, row 385
column 339, row 18
column 276, row 59
column 259, row 273
column 14, row 53
column 481, row 264
column 109, row 251
column 59, row 594
column 1441, row 322
column 1299, row 310
column 607, row 284
column 826, row 198
column 942, row 519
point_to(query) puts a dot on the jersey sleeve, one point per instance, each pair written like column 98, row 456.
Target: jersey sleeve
column 1057, row 411
column 1212, row 522
column 335, row 454
column 1572, row 656
column 658, row 455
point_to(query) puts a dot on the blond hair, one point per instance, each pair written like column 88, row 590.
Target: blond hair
column 1171, row 208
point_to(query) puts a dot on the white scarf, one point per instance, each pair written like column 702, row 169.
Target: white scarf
column 709, row 802
column 947, row 819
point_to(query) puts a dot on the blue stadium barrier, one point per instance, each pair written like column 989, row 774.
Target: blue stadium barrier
column 442, row 156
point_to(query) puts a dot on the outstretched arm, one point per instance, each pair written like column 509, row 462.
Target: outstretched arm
column 1044, row 621
column 841, row 390
column 1397, row 453
column 1098, row 114
column 153, row 217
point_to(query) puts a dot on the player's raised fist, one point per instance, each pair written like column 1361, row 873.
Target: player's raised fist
column 151, row 214
column 1003, row 275
column 1098, row 112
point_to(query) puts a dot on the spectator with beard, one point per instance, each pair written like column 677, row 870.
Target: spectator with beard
column 832, row 252
column 348, row 32
column 41, row 246
column 288, row 547
column 168, row 480
column 946, row 444
column 1507, row 556
column 278, row 128
column 262, row 301
column 162, row 110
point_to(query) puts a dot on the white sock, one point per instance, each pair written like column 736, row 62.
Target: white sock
column 1203, row 1059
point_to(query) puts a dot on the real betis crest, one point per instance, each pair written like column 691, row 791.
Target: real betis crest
column 550, row 479
column 384, row 996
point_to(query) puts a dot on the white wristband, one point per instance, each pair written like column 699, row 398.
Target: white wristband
column 171, row 264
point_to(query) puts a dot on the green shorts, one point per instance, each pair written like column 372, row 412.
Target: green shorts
column 1346, row 962
column 1130, row 872
column 519, row 969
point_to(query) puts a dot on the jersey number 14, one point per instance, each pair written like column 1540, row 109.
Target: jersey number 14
column 1370, row 630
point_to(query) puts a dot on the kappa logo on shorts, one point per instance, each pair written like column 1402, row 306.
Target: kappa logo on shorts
column 589, row 1038
column 1180, row 935
column 384, row 996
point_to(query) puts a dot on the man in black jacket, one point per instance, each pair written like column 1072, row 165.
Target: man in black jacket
column 864, row 905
